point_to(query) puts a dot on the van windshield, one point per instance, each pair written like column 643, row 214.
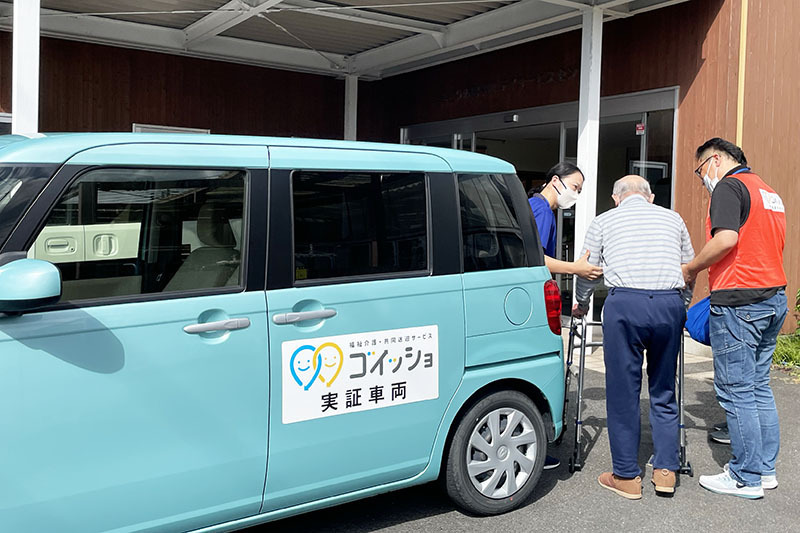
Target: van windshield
column 19, row 186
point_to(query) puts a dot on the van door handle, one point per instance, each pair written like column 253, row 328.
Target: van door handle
column 282, row 319
column 220, row 325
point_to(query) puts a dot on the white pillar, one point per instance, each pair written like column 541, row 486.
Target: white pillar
column 350, row 107
column 25, row 68
column 589, row 121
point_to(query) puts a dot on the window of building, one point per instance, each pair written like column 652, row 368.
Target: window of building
column 358, row 224
column 122, row 232
column 489, row 227
column 155, row 128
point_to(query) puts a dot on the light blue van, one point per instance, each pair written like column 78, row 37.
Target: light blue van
column 209, row 332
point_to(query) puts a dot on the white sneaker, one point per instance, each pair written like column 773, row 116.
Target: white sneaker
column 767, row 482
column 724, row 484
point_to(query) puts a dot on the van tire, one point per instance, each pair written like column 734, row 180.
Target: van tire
column 504, row 406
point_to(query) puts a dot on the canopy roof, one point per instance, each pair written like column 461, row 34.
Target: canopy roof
column 369, row 38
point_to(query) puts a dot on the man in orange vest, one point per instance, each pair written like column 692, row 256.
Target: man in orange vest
column 745, row 231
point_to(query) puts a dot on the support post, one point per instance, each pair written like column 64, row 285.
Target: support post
column 25, row 68
column 350, row 107
column 589, row 123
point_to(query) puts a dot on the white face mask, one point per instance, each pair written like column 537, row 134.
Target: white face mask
column 566, row 197
column 708, row 182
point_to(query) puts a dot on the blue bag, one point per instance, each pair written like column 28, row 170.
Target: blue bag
column 697, row 321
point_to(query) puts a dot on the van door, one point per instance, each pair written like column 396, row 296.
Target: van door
column 138, row 401
column 366, row 320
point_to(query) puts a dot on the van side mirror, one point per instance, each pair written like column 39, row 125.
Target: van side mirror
column 27, row 284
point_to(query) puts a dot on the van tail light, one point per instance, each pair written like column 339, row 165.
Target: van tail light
column 552, row 301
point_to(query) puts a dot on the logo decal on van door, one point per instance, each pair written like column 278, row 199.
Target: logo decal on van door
column 349, row 373
column 310, row 361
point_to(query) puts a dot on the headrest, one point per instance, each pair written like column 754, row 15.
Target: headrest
column 213, row 226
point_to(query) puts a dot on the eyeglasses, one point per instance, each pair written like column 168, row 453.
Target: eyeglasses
column 577, row 189
column 698, row 169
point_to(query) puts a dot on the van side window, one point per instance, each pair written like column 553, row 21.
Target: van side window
column 489, row 227
column 358, row 223
column 123, row 232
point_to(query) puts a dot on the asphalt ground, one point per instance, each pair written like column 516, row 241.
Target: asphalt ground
column 576, row 502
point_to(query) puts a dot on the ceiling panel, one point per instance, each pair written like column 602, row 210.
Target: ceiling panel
column 438, row 13
column 322, row 33
column 167, row 16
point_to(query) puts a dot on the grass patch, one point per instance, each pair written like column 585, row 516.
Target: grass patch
column 787, row 351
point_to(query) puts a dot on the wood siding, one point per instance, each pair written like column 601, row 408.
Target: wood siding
column 86, row 87
column 528, row 75
column 772, row 115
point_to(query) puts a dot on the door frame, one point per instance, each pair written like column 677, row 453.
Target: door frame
column 465, row 127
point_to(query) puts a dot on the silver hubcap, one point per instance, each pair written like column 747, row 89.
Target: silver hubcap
column 501, row 453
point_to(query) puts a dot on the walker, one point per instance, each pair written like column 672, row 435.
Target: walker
column 577, row 329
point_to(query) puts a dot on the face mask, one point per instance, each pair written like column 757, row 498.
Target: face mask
column 566, row 197
column 708, row 182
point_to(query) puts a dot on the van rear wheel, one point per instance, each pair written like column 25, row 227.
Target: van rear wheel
column 496, row 455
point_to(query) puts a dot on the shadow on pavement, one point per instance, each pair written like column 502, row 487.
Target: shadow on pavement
column 386, row 510
column 371, row 514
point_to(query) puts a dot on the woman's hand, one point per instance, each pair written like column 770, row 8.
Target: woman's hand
column 586, row 270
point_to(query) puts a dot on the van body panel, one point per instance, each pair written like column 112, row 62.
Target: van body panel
column 58, row 148
column 509, row 345
column 543, row 371
column 170, row 154
column 494, row 334
column 336, row 454
column 285, row 157
column 118, row 404
column 487, row 303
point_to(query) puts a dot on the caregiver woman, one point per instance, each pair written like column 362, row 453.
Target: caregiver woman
column 563, row 184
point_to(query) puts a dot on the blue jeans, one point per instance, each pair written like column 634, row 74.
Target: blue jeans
column 743, row 340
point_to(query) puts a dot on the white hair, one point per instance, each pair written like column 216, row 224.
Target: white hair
column 632, row 184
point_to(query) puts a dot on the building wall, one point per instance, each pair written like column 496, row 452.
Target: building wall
column 86, row 87
column 532, row 74
column 772, row 113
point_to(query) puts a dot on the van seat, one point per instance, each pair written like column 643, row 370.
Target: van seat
column 214, row 263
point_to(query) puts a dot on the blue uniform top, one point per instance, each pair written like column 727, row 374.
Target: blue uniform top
column 545, row 223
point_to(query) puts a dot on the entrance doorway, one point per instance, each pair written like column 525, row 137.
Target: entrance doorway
column 636, row 137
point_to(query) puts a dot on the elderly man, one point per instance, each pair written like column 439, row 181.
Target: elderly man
column 641, row 247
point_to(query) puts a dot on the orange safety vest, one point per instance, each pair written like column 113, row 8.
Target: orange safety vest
column 757, row 260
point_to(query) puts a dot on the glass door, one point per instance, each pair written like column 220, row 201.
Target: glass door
column 638, row 142
column 457, row 141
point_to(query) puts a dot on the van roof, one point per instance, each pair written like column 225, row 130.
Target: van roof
column 58, row 148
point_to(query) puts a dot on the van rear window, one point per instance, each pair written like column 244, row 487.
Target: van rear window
column 490, row 230
column 19, row 186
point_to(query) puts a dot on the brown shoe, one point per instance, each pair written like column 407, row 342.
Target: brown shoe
column 627, row 488
column 664, row 480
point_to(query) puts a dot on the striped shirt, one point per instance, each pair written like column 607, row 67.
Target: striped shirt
column 639, row 245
